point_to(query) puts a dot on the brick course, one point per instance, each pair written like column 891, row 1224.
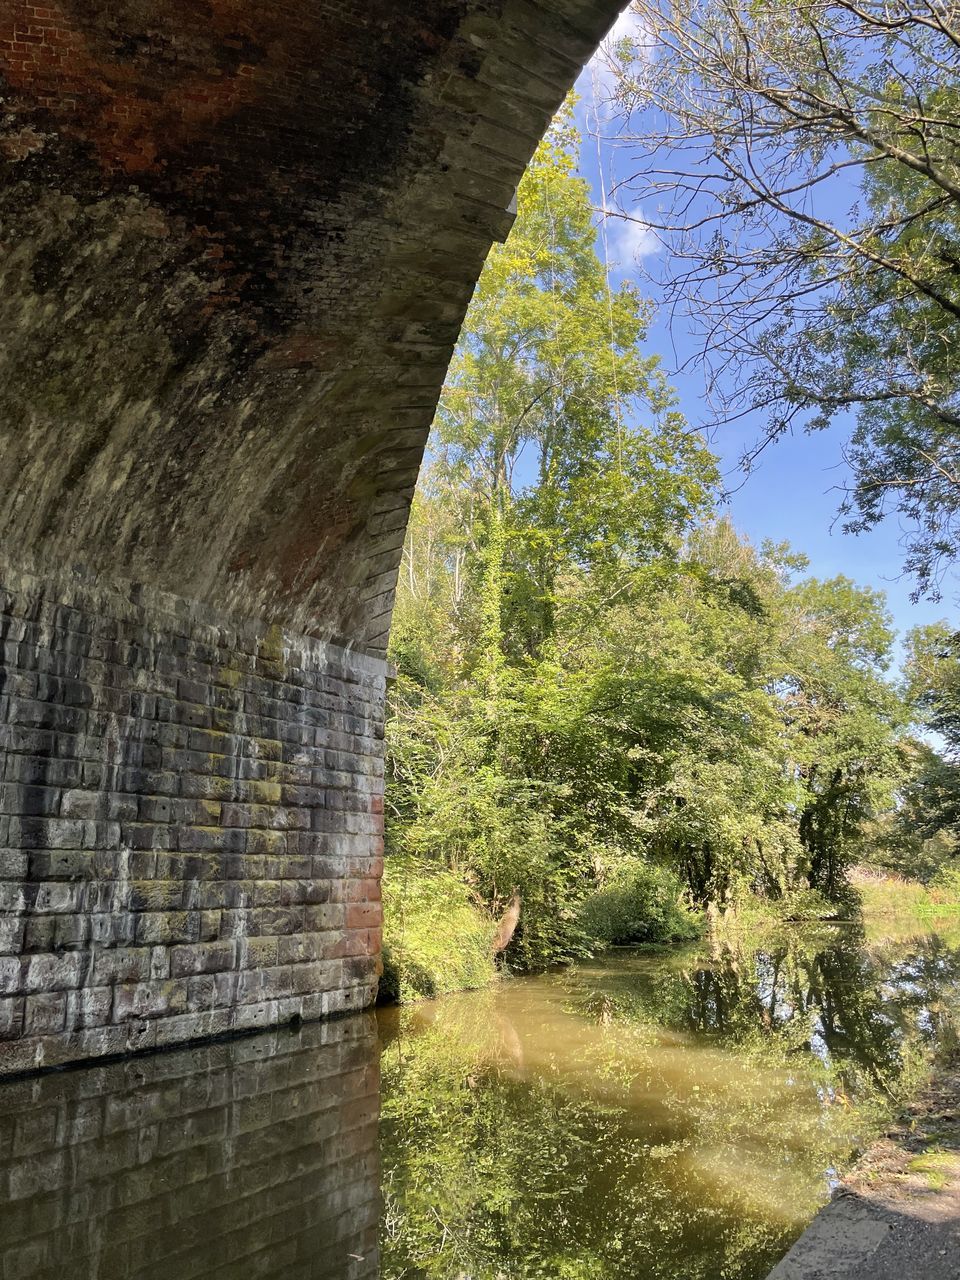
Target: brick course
column 242, row 239
column 160, row 881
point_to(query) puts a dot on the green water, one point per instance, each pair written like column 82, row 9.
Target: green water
column 671, row 1117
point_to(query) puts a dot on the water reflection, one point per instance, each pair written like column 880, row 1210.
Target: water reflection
column 672, row 1117
column 255, row 1158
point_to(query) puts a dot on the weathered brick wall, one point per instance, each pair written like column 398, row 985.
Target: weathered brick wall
column 239, row 243
column 190, row 818
column 252, row 1158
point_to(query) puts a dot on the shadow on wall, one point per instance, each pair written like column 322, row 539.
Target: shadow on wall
column 256, row 1157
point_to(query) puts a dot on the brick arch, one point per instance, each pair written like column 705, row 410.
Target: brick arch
column 238, row 242
column 245, row 239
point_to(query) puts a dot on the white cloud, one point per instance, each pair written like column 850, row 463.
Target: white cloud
column 607, row 64
column 628, row 239
column 631, row 239
column 628, row 26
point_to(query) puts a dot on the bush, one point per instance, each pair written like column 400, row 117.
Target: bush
column 643, row 904
column 802, row 905
column 944, row 888
column 436, row 939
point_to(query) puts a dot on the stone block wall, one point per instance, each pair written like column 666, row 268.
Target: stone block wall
column 190, row 824
column 257, row 1157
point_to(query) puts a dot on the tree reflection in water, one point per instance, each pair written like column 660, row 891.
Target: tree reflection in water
column 671, row 1117
column 649, row 1116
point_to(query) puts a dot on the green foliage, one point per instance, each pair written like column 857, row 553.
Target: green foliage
column 944, row 888
column 644, row 904
column 927, row 831
column 892, row 895
column 605, row 692
column 436, row 939
column 756, row 916
column 936, row 1165
column 896, row 851
column 933, row 679
column 807, row 162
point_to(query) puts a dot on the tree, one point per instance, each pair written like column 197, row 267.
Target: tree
column 558, row 459
column 846, row 720
column 757, row 716
column 805, row 160
column 607, row 699
column 931, row 796
column 554, row 423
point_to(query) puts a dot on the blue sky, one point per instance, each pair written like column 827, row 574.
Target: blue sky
column 792, row 493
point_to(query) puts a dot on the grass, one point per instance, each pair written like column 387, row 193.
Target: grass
column 935, row 1166
column 436, row 938
column 882, row 894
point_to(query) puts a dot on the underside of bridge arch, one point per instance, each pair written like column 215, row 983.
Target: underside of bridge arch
column 238, row 242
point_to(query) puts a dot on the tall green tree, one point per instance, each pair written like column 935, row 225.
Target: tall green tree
column 560, row 469
column 931, row 795
column 604, row 692
column 845, row 717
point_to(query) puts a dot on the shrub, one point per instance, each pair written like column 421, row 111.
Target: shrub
column 803, row 905
column 436, row 939
column 643, row 904
column 945, row 886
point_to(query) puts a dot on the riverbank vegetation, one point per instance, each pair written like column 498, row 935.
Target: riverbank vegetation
column 891, row 895
column 608, row 702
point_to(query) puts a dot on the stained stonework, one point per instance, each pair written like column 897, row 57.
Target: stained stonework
column 236, row 245
column 252, row 1158
column 190, row 820
column 239, row 240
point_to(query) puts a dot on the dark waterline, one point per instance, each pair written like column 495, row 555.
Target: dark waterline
column 673, row 1117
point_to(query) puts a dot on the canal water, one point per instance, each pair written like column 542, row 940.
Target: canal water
column 673, row 1116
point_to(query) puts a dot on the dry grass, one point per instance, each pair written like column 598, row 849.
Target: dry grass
column 883, row 894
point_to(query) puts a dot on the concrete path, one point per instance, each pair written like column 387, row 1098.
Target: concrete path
column 897, row 1217
column 857, row 1239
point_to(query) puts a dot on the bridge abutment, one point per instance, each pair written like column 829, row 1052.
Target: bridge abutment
column 190, row 823
column 238, row 245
